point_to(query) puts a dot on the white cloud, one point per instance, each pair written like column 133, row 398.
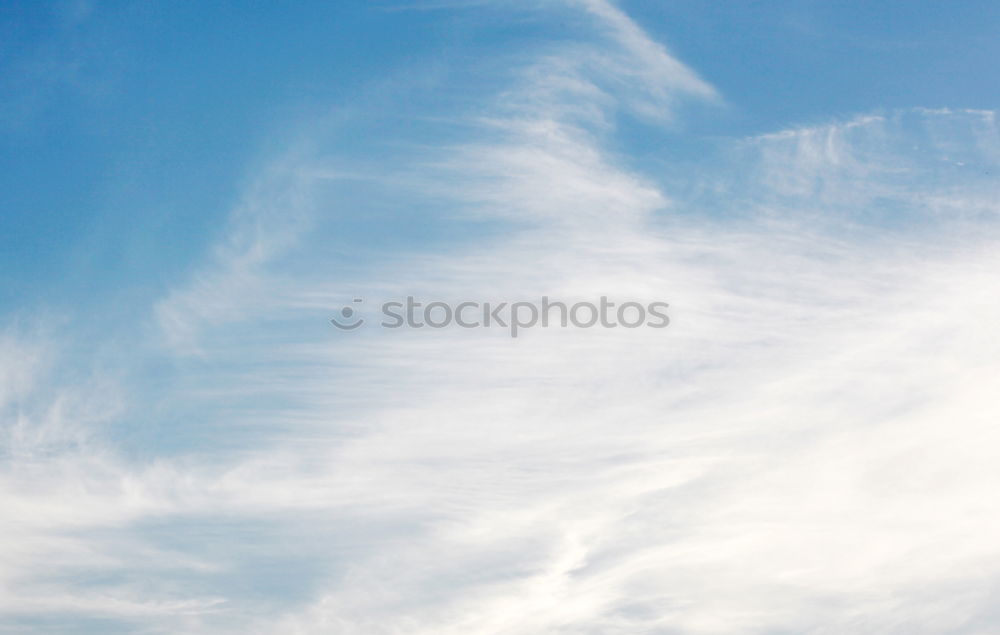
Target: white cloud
column 807, row 448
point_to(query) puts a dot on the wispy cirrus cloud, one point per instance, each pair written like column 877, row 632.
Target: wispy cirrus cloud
column 806, row 448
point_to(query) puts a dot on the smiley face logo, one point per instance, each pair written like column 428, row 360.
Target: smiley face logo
column 345, row 322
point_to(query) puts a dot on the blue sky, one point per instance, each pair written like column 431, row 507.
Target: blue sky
column 189, row 192
column 139, row 122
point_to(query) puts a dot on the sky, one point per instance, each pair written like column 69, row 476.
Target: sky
column 189, row 193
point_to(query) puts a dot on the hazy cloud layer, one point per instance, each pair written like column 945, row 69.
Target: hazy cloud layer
column 809, row 447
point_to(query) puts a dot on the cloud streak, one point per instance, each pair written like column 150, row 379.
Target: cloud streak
column 805, row 449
